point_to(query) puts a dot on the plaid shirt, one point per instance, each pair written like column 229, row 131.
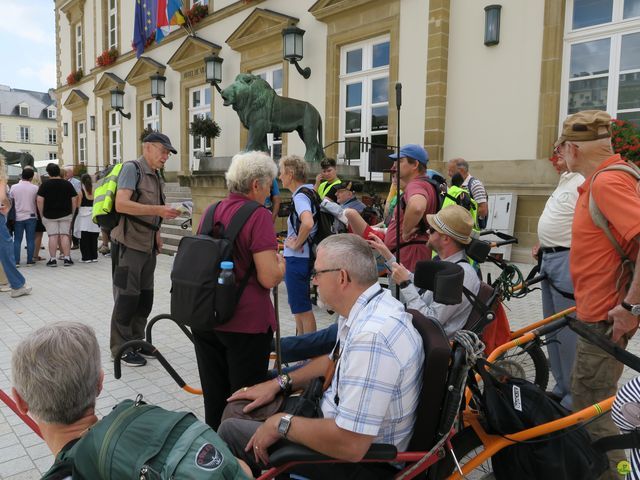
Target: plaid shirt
column 379, row 374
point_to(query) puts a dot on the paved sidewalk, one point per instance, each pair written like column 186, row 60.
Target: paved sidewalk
column 83, row 293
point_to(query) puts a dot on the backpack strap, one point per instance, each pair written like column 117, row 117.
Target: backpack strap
column 307, row 192
column 601, row 221
column 206, row 226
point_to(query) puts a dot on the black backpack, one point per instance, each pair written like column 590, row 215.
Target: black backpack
column 323, row 220
column 197, row 300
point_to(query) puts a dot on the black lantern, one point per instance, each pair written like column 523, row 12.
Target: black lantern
column 292, row 49
column 492, row 25
column 158, row 83
column 117, row 102
column 213, row 70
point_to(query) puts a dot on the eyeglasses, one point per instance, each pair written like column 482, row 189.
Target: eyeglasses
column 315, row 273
column 163, row 150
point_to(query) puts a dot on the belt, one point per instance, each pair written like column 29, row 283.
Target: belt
column 554, row 249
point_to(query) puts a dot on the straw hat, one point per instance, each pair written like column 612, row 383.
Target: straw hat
column 454, row 221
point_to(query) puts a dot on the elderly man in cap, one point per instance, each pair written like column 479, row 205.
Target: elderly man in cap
column 606, row 289
column 419, row 198
column 449, row 231
column 136, row 242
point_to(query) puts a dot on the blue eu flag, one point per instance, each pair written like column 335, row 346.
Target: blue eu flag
column 144, row 24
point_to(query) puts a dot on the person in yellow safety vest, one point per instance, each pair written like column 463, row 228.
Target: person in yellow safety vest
column 327, row 179
column 458, row 195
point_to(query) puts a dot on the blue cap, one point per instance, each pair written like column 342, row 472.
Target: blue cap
column 226, row 265
column 414, row 151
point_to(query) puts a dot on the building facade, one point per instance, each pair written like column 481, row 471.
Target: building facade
column 28, row 122
column 498, row 106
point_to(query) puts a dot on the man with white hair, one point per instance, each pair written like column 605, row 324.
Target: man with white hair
column 374, row 392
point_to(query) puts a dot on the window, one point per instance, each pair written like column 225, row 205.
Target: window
column 24, row 134
column 273, row 76
column 52, row 136
column 115, row 147
column 24, row 110
column 81, row 131
column 364, row 101
column 53, row 155
column 199, row 106
column 152, row 114
column 51, row 113
column 199, row 2
column 79, row 46
column 602, row 58
column 112, row 24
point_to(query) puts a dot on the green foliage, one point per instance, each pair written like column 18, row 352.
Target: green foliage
column 204, row 127
column 145, row 132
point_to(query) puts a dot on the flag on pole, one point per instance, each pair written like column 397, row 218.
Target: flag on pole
column 144, row 27
column 169, row 13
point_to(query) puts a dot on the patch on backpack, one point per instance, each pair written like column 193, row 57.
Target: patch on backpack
column 517, row 398
column 209, row 457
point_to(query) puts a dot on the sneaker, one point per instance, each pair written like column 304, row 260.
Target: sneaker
column 85, row 261
column 30, row 264
column 132, row 359
column 5, row 288
column 95, row 260
column 18, row 292
column 146, row 353
column 52, row 262
column 68, row 262
column 108, row 255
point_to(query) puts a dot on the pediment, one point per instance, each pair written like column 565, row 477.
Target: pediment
column 108, row 82
column 192, row 51
column 143, row 69
column 259, row 26
column 323, row 9
column 76, row 99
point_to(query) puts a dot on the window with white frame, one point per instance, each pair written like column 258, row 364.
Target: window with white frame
column 199, row 106
column 273, row 76
column 602, row 58
column 112, row 24
column 151, row 111
column 51, row 113
column 24, row 110
column 198, row 2
column 115, row 135
column 78, row 41
column 81, row 134
column 53, row 155
column 364, row 101
column 52, row 136
column 24, row 134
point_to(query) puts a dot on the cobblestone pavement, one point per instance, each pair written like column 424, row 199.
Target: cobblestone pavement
column 83, row 293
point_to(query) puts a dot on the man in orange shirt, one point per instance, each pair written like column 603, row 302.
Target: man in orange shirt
column 607, row 292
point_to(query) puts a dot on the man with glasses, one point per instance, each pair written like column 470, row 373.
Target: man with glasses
column 136, row 242
column 607, row 291
column 372, row 396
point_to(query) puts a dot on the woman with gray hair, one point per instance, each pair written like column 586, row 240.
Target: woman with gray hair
column 236, row 354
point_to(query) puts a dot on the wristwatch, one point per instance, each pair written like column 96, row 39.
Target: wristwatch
column 405, row 284
column 634, row 308
column 284, row 382
column 284, row 425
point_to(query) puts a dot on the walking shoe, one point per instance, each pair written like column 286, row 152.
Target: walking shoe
column 52, row 262
column 18, row 292
column 5, row 288
column 68, row 262
column 30, row 264
column 146, row 353
column 95, row 260
column 85, row 261
column 132, row 359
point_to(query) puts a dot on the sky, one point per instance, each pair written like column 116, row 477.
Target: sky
column 27, row 44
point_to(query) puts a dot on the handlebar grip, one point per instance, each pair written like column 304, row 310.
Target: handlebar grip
column 505, row 242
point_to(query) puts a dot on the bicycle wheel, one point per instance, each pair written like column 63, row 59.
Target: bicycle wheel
column 466, row 445
column 526, row 361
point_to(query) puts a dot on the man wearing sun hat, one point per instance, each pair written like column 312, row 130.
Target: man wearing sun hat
column 606, row 290
column 449, row 232
column 419, row 198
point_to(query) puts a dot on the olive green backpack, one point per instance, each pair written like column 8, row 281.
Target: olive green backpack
column 145, row 442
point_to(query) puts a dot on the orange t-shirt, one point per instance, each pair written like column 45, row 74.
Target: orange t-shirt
column 594, row 262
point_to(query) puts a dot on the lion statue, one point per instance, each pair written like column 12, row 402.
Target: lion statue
column 12, row 158
column 261, row 110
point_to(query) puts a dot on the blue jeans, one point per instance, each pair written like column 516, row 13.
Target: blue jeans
column 21, row 227
column 16, row 280
column 309, row 345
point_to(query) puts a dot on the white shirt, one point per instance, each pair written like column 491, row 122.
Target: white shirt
column 24, row 196
column 554, row 225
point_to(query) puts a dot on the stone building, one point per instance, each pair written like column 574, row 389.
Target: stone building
column 498, row 103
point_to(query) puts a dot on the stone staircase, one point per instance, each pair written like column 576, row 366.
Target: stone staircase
column 171, row 230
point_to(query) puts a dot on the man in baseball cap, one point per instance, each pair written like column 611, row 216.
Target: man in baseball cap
column 161, row 139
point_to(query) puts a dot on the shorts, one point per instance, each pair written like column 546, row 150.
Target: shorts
column 296, row 278
column 58, row 226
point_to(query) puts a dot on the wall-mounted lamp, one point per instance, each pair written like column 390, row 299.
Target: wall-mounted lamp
column 213, row 70
column 117, row 102
column 65, row 129
column 158, row 83
column 492, row 24
column 92, row 123
column 292, row 48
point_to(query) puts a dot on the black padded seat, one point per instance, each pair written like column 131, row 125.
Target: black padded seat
column 484, row 298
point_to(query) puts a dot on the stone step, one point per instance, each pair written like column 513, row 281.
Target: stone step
column 175, row 221
column 169, row 249
column 176, row 187
column 171, row 239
